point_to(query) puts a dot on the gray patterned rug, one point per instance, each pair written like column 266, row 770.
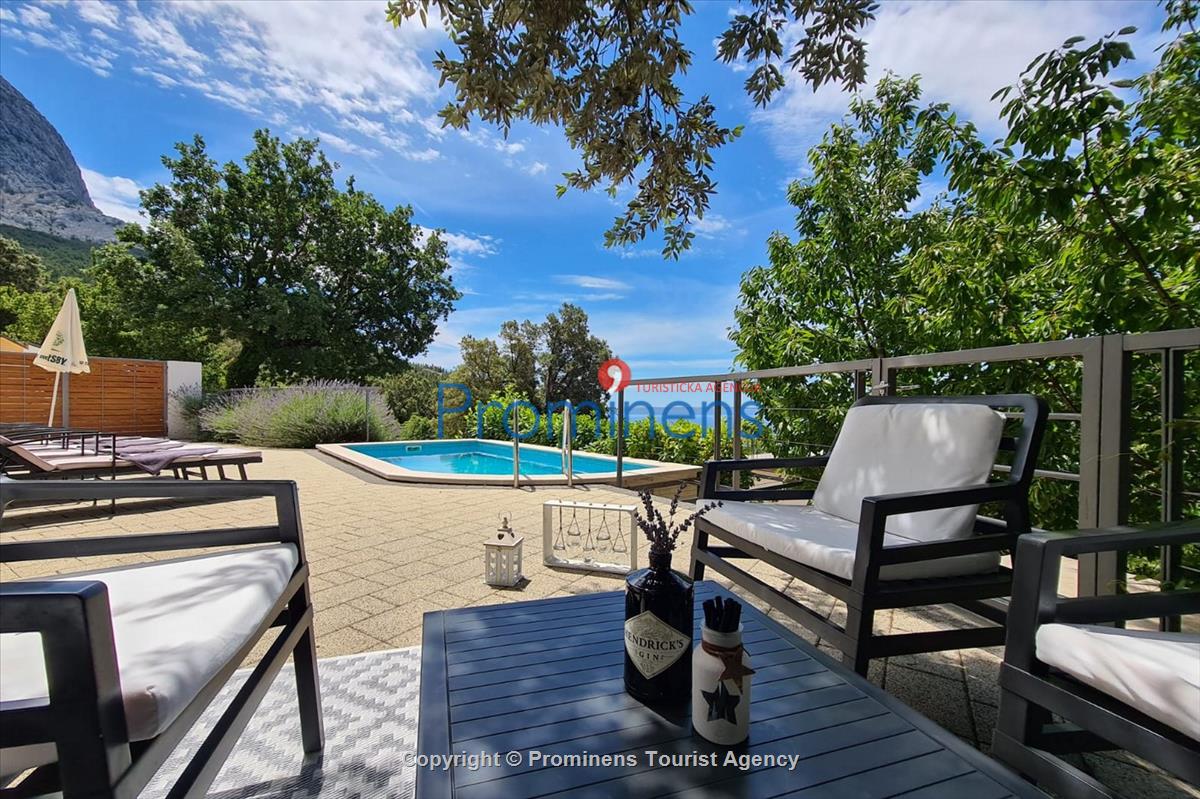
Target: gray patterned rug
column 370, row 703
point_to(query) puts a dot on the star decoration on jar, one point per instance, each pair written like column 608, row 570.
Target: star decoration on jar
column 721, row 704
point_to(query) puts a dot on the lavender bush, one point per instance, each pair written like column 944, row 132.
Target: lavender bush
column 300, row 416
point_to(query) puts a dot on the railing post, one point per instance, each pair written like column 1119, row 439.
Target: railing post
column 620, row 437
column 568, row 440
column 1173, row 400
column 516, row 446
column 737, row 429
column 883, row 378
column 717, row 421
column 860, row 385
column 1104, row 458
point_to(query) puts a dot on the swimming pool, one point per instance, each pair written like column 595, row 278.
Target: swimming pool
column 483, row 457
column 489, row 462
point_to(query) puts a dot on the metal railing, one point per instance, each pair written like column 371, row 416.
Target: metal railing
column 1104, row 421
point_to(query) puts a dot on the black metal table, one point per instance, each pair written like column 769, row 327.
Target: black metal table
column 543, row 680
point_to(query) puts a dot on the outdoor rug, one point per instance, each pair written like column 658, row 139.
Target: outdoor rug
column 370, row 703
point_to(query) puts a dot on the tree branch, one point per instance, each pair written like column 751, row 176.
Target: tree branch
column 1130, row 246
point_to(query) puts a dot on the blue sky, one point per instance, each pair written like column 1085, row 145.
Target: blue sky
column 123, row 82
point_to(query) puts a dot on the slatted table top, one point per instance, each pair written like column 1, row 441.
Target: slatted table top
column 543, row 679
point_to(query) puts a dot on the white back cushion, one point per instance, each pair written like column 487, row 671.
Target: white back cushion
column 891, row 449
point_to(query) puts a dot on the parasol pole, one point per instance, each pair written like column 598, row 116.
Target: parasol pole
column 53, row 399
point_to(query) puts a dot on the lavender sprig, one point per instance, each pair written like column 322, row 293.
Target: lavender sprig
column 664, row 535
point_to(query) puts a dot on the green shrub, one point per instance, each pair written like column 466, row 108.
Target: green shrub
column 412, row 392
column 301, row 416
column 418, row 428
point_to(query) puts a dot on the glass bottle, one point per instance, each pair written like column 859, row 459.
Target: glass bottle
column 658, row 633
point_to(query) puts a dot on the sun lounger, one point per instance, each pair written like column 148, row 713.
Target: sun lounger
column 82, row 458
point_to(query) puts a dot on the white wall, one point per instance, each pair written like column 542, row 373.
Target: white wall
column 180, row 374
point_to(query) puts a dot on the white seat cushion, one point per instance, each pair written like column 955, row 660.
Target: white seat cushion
column 175, row 624
column 891, row 449
column 1155, row 672
column 808, row 535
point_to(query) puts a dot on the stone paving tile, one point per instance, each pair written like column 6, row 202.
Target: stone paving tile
column 383, row 554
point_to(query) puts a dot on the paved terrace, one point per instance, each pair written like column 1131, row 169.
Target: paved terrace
column 382, row 554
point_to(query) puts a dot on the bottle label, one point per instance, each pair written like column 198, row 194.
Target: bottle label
column 652, row 644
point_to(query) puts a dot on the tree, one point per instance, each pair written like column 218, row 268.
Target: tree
column 518, row 344
column 553, row 361
column 570, row 357
column 840, row 291
column 413, row 392
column 307, row 279
column 108, row 326
column 483, row 369
column 1084, row 220
column 1103, row 176
column 20, row 268
column 608, row 73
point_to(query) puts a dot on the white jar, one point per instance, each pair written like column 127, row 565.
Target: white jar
column 721, row 707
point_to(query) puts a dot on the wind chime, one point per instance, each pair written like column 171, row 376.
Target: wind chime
column 583, row 535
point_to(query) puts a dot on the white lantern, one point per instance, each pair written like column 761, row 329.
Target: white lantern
column 502, row 557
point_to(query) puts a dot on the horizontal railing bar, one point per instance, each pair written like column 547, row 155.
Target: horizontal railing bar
column 1069, row 477
column 1066, row 348
column 758, row 374
column 1050, row 417
column 1185, row 339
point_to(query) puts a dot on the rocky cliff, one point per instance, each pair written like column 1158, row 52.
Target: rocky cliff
column 40, row 184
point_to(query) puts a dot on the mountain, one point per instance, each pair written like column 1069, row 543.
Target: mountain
column 41, row 187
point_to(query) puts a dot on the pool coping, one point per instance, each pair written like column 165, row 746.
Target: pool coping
column 658, row 471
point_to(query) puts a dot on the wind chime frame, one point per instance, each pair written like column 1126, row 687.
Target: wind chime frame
column 588, row 523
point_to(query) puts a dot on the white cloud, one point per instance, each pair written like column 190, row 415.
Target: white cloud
column 711, row 225
column 536, row 168
column 962, row 51
column 99, row 13
column 35, row 17
column 346, row 146
column 629, row 253
column 592, row 282
column 335, row 66
column 98, row 59
column 114, row 195
column 166, row 81
column 459, row 244
column 555, row 300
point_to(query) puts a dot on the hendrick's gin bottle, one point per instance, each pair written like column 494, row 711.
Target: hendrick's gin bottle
column 658, row 633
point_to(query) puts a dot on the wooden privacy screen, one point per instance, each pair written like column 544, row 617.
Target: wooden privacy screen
column 117, row 396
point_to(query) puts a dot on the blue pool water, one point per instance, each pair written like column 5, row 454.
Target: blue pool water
column 482, row 457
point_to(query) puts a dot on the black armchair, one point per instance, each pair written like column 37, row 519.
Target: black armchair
column 103, row 673
column 892, row 523
column 1115, row 688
